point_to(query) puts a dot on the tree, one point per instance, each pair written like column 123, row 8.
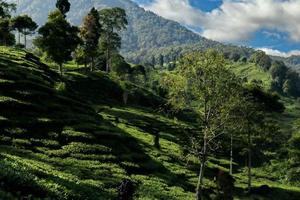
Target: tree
column 6, row 37
column 25, row 25
column 161, row 60
column 90, row 34
column 6, row 9
column 63, row 6
column 248, row 118
column 119, row 65
column 291, row 86
column 112, row 21
column 278, row 69
column 262, row 59
column 293, row 174
column 57, row 38
column 203, row 84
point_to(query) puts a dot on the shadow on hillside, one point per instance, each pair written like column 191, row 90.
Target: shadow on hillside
column 274, row 193
column 150, row 125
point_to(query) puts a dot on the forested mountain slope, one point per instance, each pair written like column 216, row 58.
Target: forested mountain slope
column 148, row 35
column 145, row 30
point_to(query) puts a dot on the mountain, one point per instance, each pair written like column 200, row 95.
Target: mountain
column 145, row 30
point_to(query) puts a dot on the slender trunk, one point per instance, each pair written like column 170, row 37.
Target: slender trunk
column 60, row 69
column 107, row 61
column 85, row 64
column 231, row 153
column 249, row 162
column 199, row 189
column 19, row 37
column 25, row 40
column 92, row 64
column 107, row 53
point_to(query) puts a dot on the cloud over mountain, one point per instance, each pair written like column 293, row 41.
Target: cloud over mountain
column 235, row 20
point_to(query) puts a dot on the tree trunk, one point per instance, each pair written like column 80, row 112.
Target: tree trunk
column 25, row 40
column 199, row 189
column 107, row 61
column 92, row 64
column 60, row 69
column 156, row 140
column 85, row 64
column 249, row 162
column 231, row 153
column 19, row 37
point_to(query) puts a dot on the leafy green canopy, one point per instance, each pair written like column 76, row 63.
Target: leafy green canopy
column 90, row 32
column 6, row 37
column 25, row 25
column 58, row 38
column 6, row 9
column 112, row 20
column 202, row 84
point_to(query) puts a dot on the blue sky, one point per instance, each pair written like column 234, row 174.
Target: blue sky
column 270, row 25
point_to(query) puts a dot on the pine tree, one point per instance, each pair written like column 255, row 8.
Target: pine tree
column 90, row 34
column 112, row 21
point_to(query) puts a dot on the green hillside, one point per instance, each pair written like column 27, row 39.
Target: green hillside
column 73, row 138
column 252, row 72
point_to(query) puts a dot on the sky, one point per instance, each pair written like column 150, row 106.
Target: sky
column 270, row 25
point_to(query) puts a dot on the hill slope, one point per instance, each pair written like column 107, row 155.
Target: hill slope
column 61, row 138
column 54, row 144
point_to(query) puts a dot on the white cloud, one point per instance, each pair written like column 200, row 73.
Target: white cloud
column 235, row 20
column 274, row 52
column 177, row 10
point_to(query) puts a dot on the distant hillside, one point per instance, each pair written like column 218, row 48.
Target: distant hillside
column 146, row 30
column 292, row 62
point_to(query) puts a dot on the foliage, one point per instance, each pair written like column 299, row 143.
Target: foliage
column 90, row 34
column 119, row 65
column 203, row 84
column 6, row 37
column 112, row 21
column 25, row 25
column 63, row 6
column 262, row 59
column 6, row 9
column 57, row 38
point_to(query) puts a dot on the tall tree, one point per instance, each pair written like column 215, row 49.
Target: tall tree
column 6, row 9
column 63, row 6
column 161, row 60
column 202, row 83
column 90, row 34
column 6, row 35
column 57, row 38
column 112, row 21
column 7, row 38
column 25, row 25
column 248, row 120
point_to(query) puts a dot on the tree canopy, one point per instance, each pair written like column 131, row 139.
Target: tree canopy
column 112, row 21
column 57, row 38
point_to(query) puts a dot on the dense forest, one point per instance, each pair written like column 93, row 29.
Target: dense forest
column 90, row 111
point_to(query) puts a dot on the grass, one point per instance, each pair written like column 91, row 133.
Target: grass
column 72, row 137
